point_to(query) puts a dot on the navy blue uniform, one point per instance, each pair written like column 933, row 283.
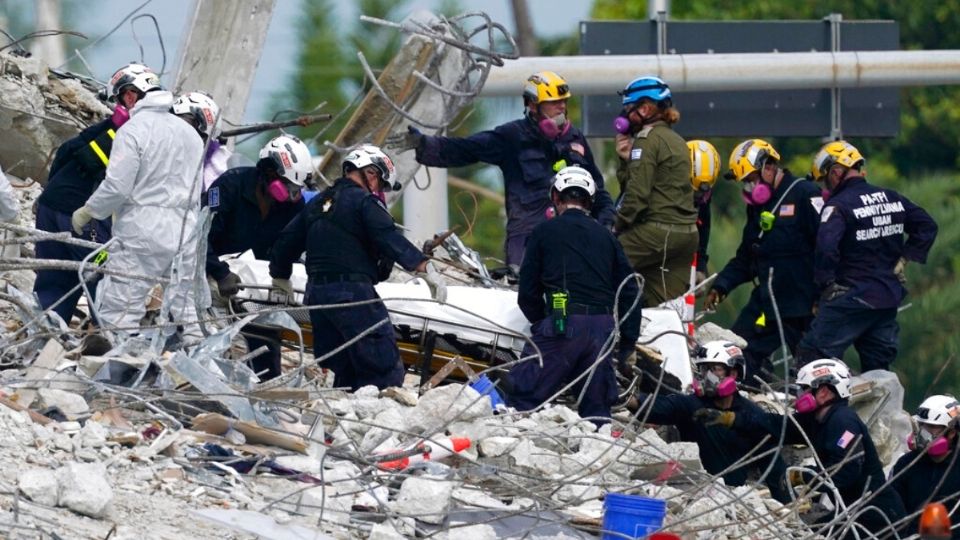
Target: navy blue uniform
column 841, row 437
column 78, row 168
column 573, row 253
column 927, row 481
column 239, row 223
column 351, row 242
column 526, row 158
column 703, row 230
column 720, row 447
column 860, row 240
column 787, row 249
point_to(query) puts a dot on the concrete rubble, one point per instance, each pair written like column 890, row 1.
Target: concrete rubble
column 194, row 445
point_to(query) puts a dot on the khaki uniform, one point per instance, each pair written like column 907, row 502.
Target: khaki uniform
column 656, row 218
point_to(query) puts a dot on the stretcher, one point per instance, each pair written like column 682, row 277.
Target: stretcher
column 484, row 326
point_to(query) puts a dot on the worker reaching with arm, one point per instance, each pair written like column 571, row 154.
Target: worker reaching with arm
column 529, row 152
column 705, row 416
column 840, row 440
column 782, row 215
column 251, row 206
column 351, row 243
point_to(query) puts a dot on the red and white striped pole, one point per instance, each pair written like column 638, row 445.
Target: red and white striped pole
column 690, row 299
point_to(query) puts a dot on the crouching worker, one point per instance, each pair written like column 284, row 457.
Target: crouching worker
column 843, row 447
column 570, row 274
column 716, row 405
column 351, row 242
column 930, row 471
column 252, row 205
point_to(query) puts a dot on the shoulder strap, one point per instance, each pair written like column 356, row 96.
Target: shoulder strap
column 780, row 201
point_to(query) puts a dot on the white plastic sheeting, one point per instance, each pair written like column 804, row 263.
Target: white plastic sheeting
column 473, row 314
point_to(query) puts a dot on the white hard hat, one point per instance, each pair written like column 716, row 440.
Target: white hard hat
column 720, row 352
column 203, row 109
column 139, row 76
column 826, row 371
column 290, row 157
column 574, row 177
column 939, row 410
column 368, row 154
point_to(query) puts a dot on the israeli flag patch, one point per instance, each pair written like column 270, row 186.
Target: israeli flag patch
column 213, row 197
column 635, row 154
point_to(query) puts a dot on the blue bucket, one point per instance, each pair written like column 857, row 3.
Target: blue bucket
column 484, row 386
column 631, row 515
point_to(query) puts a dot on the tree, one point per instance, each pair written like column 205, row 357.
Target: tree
column 929, row 141
column 929, row 138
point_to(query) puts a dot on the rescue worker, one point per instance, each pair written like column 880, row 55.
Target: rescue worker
column 78, row 168
column 704, row 170
column 840, row 440
column 528, row 151
column 656, row 218
column 930, row 471
column 867, row 235
column 152, row 189
column 779, row 234
column 705, row 416
column 351, row 243
column 568, row 280
column 251, row 207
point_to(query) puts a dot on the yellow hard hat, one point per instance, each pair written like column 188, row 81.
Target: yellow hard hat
column 545, row 86
column 835, row 153
column 749, row 156
column 704, row 164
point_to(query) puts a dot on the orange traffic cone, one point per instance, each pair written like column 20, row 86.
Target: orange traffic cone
column 935, row 522
column 428, row 450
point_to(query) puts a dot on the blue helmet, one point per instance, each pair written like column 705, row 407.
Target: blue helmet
column 652, row 88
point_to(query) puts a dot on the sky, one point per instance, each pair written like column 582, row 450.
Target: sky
column 550, row 17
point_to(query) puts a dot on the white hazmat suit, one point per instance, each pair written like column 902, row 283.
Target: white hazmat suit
column 152, row 189
column 9, row 205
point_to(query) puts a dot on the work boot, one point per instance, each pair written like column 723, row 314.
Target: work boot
column 95, row 345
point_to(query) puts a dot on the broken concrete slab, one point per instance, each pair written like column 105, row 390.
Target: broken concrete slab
column 260, row 525
column 39, row 485
column 84, row 489
column 70, row 404
column 497, row 446
column 424, row 497
column 445, row 404
column 38, row 112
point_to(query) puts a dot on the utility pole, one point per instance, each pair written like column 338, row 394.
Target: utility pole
column 221, row 51
column 51, row 49
column 526, row 38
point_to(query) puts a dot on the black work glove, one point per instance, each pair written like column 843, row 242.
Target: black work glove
column 626, row 358
column 229, row 285
column 714, row 297
column 833, row 291
column 401, row 142
column 715, row 417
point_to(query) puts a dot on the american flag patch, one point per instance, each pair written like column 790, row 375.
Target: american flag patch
column 845, row 439
column 787, row 210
